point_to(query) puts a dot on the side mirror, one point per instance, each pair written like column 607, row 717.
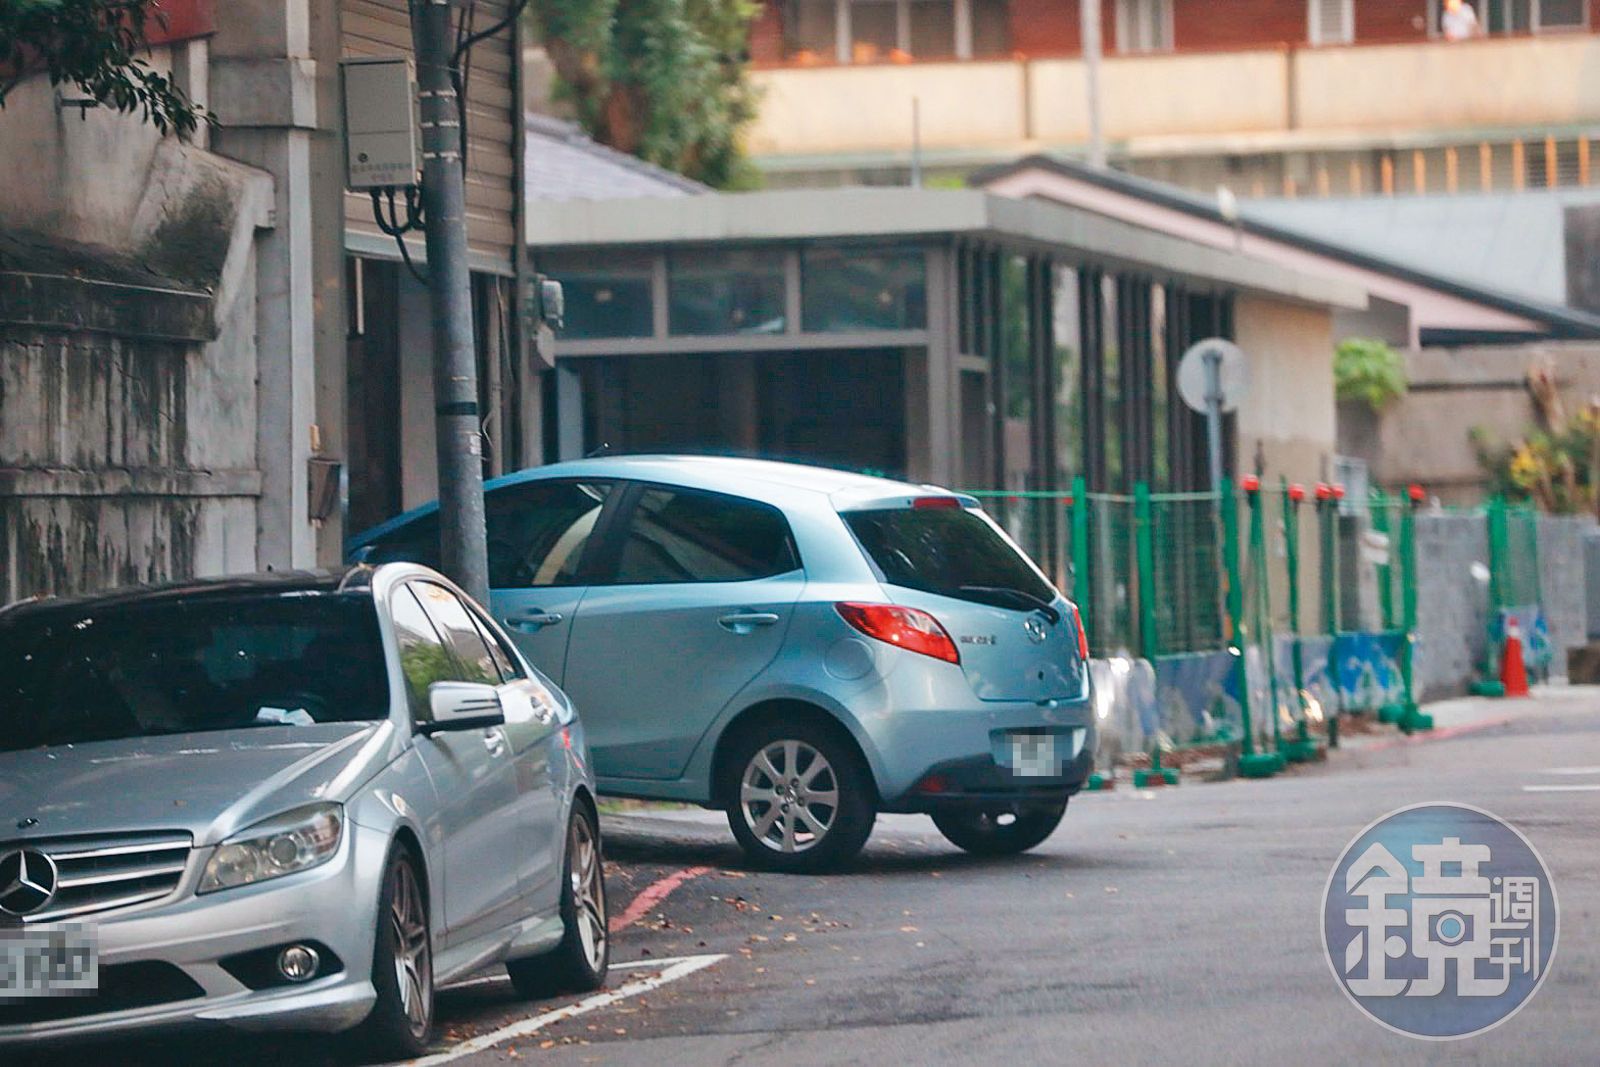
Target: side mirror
column 462, row 706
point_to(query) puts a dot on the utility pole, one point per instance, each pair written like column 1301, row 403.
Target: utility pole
column 1089, row 31
column 463, row 549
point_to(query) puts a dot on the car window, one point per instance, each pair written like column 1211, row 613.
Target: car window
column 503, row 659
column 682, row 535
column 454, row 624
column 537, row 534
column 424, row 659
column 80, row 674
column 953, row 552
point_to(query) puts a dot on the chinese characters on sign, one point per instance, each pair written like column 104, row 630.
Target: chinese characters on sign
column 1440, row 921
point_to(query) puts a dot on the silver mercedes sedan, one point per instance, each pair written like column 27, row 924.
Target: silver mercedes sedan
column 292, row 801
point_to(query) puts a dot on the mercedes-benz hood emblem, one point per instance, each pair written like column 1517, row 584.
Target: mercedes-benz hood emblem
column 28, row 880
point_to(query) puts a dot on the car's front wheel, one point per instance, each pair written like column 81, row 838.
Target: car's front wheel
column 800, row 798
column 401, row 1021
column 580, row 962
column 1000, row 832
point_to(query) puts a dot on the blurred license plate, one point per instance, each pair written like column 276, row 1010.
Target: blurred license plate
column 48, row 961
column 1035, row 756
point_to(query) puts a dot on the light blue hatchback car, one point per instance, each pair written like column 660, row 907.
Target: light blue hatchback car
column 802, row 648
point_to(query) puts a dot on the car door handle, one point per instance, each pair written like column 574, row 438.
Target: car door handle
column 531, row 621
column 494, row 741
column 742, row 622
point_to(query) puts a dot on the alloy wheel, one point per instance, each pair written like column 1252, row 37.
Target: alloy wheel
column 413, row 958
column 588, row 892
column 789, row 796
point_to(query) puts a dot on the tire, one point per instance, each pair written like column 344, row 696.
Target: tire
column 818, row 815
column 400, row 1025
column 990, row 832
column 580, row 962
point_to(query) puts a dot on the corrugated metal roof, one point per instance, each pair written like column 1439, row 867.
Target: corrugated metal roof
column 564, row 164
column 1508, row 241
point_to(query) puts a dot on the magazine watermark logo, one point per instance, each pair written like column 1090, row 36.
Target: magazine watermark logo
column 1439, row 921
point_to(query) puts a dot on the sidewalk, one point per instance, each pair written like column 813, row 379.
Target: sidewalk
column 1465, row 715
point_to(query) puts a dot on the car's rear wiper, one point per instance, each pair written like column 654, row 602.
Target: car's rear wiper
column 1037, row 603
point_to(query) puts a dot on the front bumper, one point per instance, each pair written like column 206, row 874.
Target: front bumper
column 186, row 939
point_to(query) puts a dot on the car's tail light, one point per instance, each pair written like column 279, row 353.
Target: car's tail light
column 910, row 629
column 923, row 503
column 1083, row 635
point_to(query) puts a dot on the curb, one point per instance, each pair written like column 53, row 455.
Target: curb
column 1441, row 733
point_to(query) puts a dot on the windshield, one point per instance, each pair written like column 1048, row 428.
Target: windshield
column 952, row 552
column 140, row 670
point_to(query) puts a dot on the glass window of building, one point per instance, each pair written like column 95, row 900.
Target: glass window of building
column 605, row 299
column 874, row 30
column 932, row 28
column 991, row 28
column 1144, row 25
column 844, row 289
column 810, row 29
column 723, row 292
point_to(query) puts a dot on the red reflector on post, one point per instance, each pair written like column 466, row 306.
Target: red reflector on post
column 935, row 502
column 909, row 628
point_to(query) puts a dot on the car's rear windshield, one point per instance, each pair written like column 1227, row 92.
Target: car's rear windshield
column 953, row 552
column 76, row 675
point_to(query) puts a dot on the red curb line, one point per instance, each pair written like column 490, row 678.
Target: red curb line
column 652, row 895
column 1436, row 735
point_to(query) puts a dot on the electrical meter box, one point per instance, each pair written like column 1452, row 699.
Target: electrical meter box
column 380, row 123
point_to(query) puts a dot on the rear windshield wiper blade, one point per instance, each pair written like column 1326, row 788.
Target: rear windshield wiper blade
column 1037, row 603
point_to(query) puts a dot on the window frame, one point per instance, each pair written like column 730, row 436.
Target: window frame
column 403, row 589
column 602, row 523
column 616, row 532
column 1166, row 30
column 1347, row 22
column 440, row 629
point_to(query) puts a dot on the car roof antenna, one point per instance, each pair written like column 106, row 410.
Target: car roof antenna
column 603, row 450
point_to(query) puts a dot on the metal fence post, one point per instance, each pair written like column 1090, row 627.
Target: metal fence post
column 1327, row 531
column 1081, row 584
column 1145, row 560
column 1262, row 601
column 1414, row 718
column 1378, row 510
column 1251, row 763
column 1303, row 747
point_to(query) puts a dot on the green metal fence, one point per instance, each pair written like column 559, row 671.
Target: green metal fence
column 1513, row 555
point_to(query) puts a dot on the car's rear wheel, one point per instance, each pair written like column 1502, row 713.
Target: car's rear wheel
column 401, row 1021
column 800, row 799
column 579, row 964
column 1000, row 831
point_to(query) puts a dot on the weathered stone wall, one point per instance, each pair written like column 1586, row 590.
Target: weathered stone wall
column 119, row 461
column 1564, row 584
column 1452, row 604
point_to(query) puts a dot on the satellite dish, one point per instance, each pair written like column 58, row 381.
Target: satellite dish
column 1232, row 374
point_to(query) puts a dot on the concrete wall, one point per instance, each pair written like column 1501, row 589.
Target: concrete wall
column 1563, row 584
column 131, row 311
column 1452, row 605
column 1183, row 101
column 1289, row 410
column 1426, row 436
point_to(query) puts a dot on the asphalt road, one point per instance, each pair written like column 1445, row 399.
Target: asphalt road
column 1177, row 925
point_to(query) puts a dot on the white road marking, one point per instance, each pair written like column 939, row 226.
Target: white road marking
column 1573, row 770
column 673, row 971
column 631, row 965
column 1587, row 787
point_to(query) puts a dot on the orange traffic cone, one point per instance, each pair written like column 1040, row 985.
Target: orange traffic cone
column 1513, row 672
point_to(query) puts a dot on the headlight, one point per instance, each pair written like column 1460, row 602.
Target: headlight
column 296, row 841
